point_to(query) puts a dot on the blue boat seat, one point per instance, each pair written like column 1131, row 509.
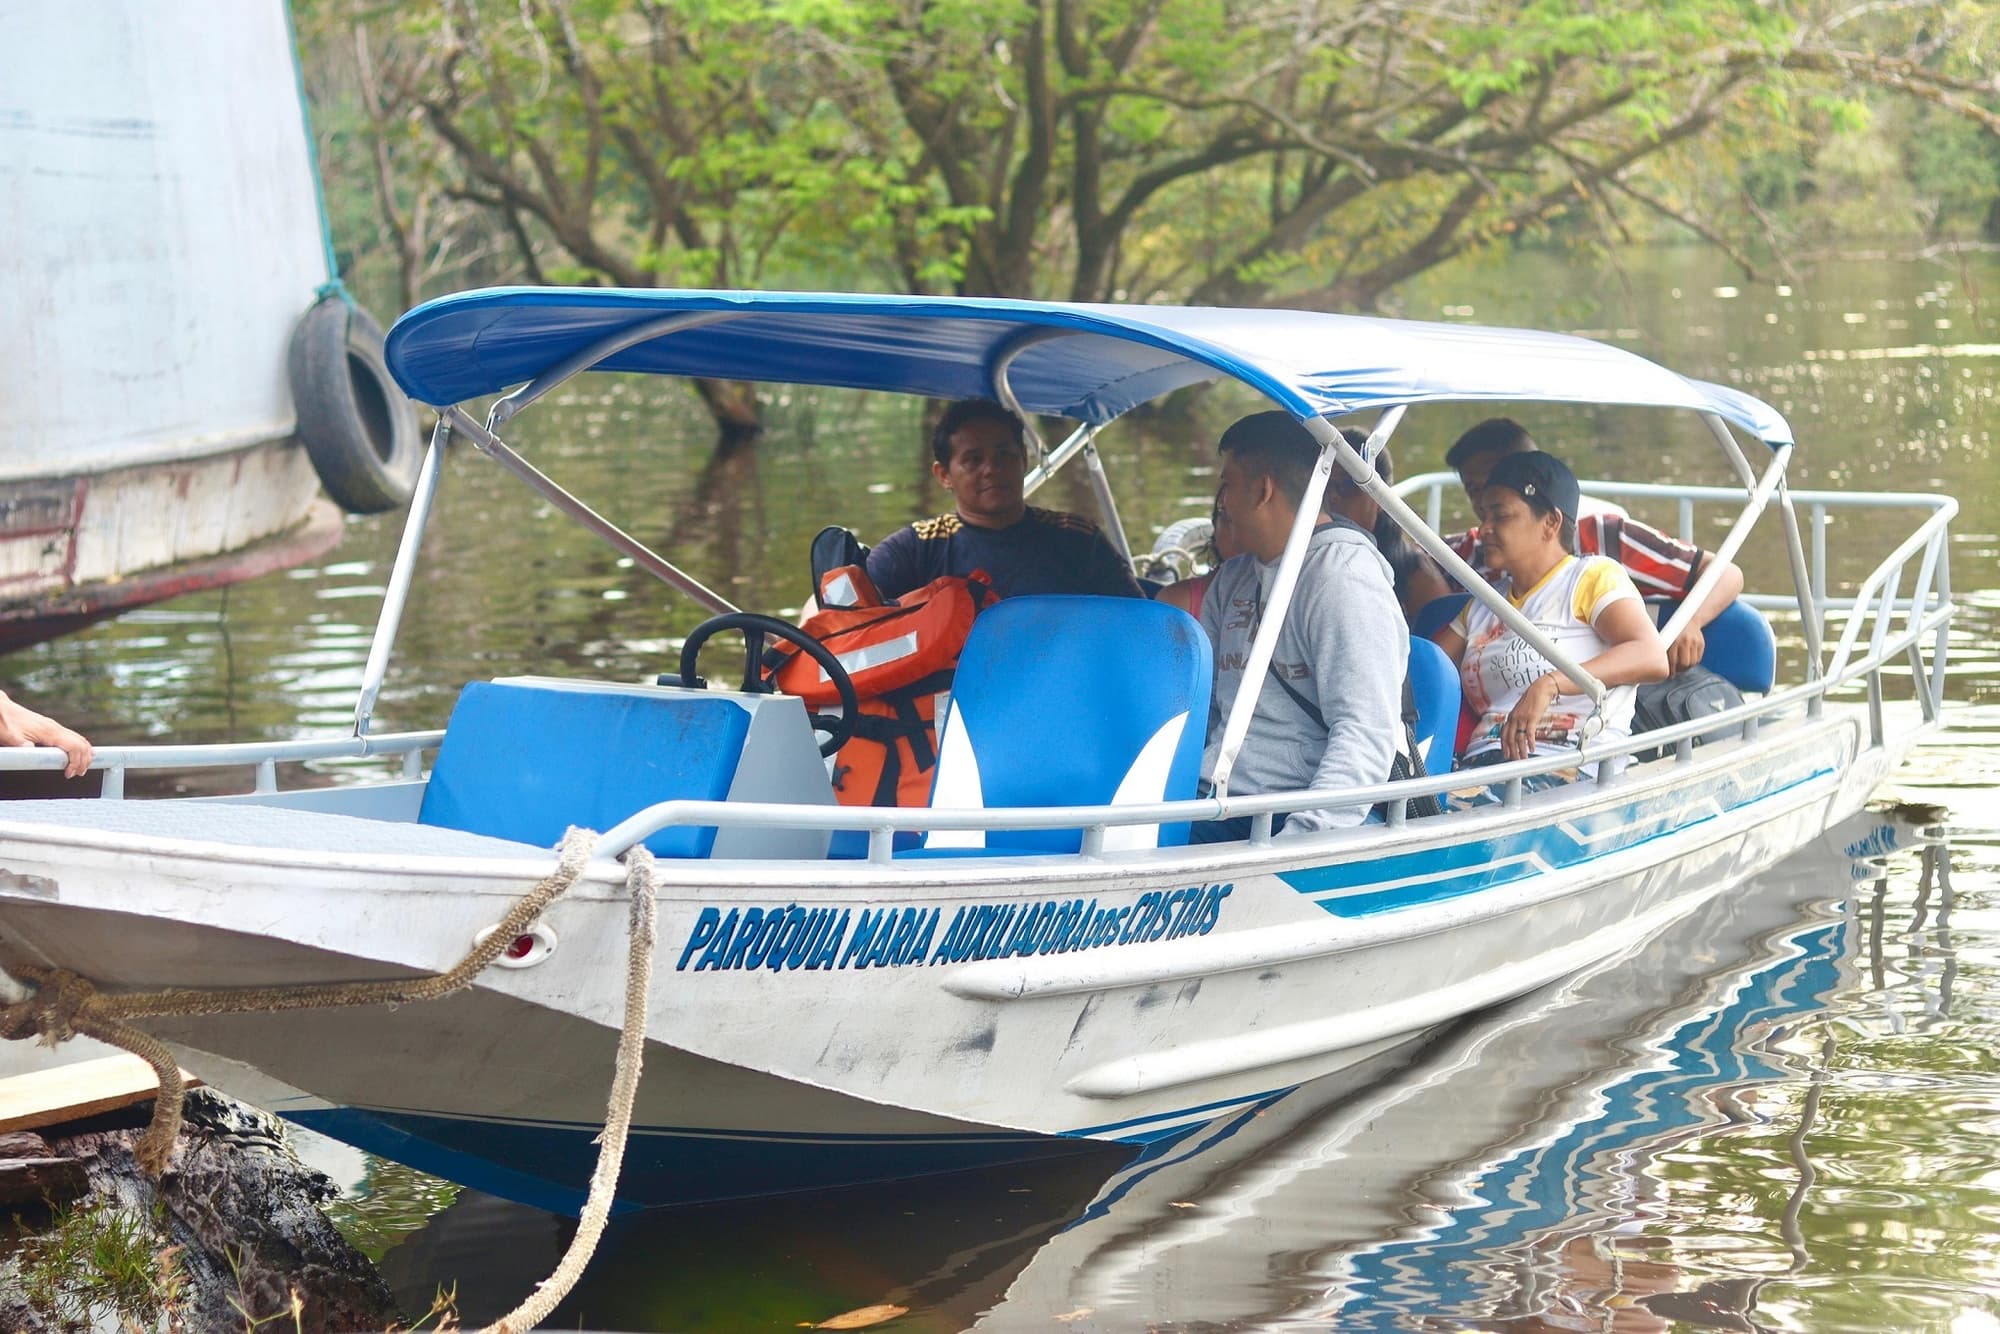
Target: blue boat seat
column 1738, row 646
column 1072, row 701
column 1436, row 614
column 1435, row 687
column 525, row 762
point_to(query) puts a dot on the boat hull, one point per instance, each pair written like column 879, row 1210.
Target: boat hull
column 904, row 1020
column 1533, row 1119
column 164, row 240
column 74, row 550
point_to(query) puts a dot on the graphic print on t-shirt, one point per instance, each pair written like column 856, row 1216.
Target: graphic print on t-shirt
column 1499, row 665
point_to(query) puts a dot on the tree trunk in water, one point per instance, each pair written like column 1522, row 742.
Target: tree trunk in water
column 733, row 404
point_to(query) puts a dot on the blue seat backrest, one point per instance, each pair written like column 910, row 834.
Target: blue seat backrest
column 1738, row 646
column 1436, row 614
column 526, row 762
column 1434, row 684
column 1074, row 701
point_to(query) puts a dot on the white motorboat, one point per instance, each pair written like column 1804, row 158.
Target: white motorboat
column 1072, row 970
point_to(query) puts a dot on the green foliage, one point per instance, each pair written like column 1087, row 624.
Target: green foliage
column 1843, row 115
column 1953, row 169
column 1206, row 150
column 97, row 1262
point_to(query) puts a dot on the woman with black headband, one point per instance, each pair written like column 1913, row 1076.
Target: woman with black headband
column 1587, row 605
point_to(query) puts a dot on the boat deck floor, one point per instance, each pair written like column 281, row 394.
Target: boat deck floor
column 250, row 826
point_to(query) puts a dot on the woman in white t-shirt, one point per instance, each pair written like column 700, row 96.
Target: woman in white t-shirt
column 1586, row 605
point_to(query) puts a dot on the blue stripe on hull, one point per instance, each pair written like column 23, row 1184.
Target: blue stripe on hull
column 1150, row 1130
column 548, row 1165
column 1433, row 874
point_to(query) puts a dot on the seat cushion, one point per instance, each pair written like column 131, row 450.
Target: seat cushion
column 1737, row 645
column 1435, row 686
column 525, row 762
column 1074, row 701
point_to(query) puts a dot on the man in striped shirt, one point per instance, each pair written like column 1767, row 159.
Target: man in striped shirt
column 1660, row 565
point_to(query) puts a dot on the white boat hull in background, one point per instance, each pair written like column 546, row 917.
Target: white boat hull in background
column 163, row 238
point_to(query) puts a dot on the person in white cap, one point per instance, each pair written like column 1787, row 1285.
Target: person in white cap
column 1587, row 605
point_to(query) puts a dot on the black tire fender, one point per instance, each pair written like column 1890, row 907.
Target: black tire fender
column 357, row 426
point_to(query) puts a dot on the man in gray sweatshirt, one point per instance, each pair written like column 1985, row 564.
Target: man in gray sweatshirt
column 1330, row 711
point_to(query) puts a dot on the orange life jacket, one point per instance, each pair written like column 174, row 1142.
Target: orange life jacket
column 901, row 657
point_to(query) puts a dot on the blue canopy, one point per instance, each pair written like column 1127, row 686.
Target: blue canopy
column 1086, row 362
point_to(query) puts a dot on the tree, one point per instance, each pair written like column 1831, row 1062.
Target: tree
column 1324, row 153
column 399, row 235
column 605, row 142
column 1216, row 151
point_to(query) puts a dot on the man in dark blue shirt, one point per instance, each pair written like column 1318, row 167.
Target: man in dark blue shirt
column 982, row 459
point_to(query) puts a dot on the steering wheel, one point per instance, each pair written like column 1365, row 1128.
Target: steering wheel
column 754, row 627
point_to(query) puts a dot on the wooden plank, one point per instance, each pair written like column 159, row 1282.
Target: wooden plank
column 71, row 1092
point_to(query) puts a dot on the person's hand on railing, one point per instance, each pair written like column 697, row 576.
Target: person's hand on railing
column 22, row 726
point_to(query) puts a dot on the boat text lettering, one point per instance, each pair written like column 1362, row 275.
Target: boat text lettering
column 791, row 937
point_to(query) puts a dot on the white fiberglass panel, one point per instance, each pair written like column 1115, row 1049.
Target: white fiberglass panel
column 162, row 230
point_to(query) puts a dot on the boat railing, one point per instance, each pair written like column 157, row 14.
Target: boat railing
column 1612, row 758
column 1883, row 630
column 1428, row 491
column 1878, row 599
column 261, row 757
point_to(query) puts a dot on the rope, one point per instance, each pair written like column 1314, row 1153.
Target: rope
column 617, row 1112
column 65, row 1004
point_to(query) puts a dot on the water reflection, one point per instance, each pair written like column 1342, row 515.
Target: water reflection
column 1493, row 1181
column 944, row 1246
column 1687, row 1136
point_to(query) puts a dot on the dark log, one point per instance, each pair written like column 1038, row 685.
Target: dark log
column 240, row 1214
column 32, row 1180
column 23, row 1144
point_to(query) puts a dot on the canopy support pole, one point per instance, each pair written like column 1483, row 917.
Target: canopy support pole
column 400, row 575
column 1278, row 601
column 1760, row 496
column 1795, row 549
column 1047, row 462
column 1107, row 504
column 1731, row 450
column 1809, row 612
column 1061, row 454
column 1003, row 387
column 642, row 555
column 1362, row 471
column 582, row 360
